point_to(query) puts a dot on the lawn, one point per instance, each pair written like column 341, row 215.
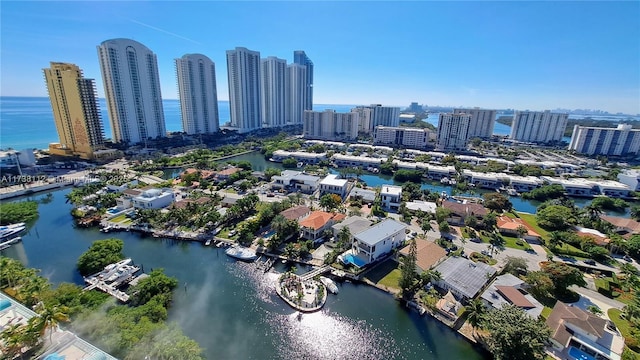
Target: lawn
column 546, row 312
column 511, row 242
column 531, row 220
column 625, row 329
column 387, row 274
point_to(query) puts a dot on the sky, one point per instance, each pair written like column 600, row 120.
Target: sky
column 506, row 54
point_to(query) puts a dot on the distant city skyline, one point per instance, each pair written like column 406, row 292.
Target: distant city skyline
column 522, row 55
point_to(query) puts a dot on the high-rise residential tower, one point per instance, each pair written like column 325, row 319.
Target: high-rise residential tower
column 75, row 111
column 132, row 88
column 330, row 125
column 384, row 116
column 364, row 115
column 198, row 94
column 301, row 58
column 453, row 131
column 243, row 69
column 482, row 122
column 538, row 126
column 296, row 78
column 619, row 141
column 273, row 87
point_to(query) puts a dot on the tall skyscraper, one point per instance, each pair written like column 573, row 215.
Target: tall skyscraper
column 482, row 122
column 198, row 94
column 384, row 116
column 618, row 141
column 297, row 75
column 273, row 86
column 243, row 69
column 75, row 110
column 364, row 114
column 453, row 131
column 132, row 88
column 301, row 58
column 538, row 126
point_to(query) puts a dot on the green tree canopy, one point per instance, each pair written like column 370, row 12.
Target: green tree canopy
column 497, row 202
column 100, row 254
column 515, row 265
column 156, row 284
column 15, row 212
column 330, row 201
column 555, row 217
column 545, row 193
column 514, row 335
column 562, row 275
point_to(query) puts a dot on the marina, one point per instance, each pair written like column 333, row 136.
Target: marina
column 113, row 277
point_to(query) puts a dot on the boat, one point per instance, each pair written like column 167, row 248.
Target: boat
column 512, row 192
column 444, row 180
column 12, row 226
column 241, row 253
column 107, row 228
column 207, row 243
column 7, row 244
column 329, row 284
column 300, row 164
column 11, row 230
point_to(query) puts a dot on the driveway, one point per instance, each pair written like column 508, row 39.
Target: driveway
column 598, row 299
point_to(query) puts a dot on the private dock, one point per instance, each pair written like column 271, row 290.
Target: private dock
column 112, row 277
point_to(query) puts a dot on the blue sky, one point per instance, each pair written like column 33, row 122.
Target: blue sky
column 507, row 54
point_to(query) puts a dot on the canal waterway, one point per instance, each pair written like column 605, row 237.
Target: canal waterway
column 231, row 308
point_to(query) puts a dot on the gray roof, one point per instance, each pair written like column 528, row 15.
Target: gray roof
column 380, row 231
column 369, row 195
column 356, row 224
column 496, row 299
column 464, row 276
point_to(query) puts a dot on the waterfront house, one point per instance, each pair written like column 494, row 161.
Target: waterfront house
column 332, row 185
column 613, row 188
column 428, row 254
column 463, row 277
column 365, row 195
column 293, row 181
column 524, row 183
column 204, row 174
column 355, row 224
column 296, row 213
column 125, row 201
column 594, row 235
column 357, row 161
column 378, row 240
column 153, row 199
column 183, row 204
column 485, row 180
column 623, row 226
column 313, row 226
column 424, row 206
column 391, row 197
column 509, row 289
column 299, row 156
column 509, row 226
column 225, row 174
column 459, row 212
column 449, row 306
column 435, row 172
column 578, row 334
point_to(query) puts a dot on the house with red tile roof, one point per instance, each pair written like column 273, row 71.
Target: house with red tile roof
column 509, row 226
column 623, row 226
column 313, row 225
column 459, row 211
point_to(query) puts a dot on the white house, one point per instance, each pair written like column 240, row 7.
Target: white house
column 332, row 185
column 153, row 199
column 295, row 181
column 391, row 197
column 378, row 240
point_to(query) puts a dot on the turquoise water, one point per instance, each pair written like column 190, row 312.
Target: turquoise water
column 579, row 354
column 351, row 259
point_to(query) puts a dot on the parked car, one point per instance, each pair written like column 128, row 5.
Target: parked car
column 590, row 262
column 627, row 258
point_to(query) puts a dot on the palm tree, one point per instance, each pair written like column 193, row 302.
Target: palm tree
column 475, row 313
column 555, row 239
column 430, row 276
column 50, row 316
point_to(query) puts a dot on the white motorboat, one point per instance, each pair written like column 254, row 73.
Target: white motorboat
column 329, row 284
column 241, row 253
column 10, row 230
column 12, row 226
column 208, row 242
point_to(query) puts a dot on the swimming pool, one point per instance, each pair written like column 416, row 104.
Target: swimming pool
column 351, row 259
column 269, row 234
column 579, row 354
column 113, row 211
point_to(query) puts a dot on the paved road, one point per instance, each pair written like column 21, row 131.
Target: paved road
column 598, row 298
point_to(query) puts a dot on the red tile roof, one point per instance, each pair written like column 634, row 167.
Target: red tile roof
column 428, row 253
column 625, row 223
column 507, row 223
column 318, row 219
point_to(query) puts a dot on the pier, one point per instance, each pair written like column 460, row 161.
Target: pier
column 315, row 272
column 112, row 277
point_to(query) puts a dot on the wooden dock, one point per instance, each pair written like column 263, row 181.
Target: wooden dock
column 112, row 277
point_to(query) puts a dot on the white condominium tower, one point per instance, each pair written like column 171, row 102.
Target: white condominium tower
column 618, row 141
column 132, row 88
column 243, row 69
column 330, row 125
column 538, row 126
column 273, row 86
column 384, row 116
column 198, row 95
column 482, row 121
column 364, row 115
column 75, row 110
column 453, row 131
column 403, row 136
column 297, row 77
column 299, row 57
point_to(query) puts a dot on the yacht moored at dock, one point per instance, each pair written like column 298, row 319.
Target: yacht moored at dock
column 329, row 284
column 241, row 253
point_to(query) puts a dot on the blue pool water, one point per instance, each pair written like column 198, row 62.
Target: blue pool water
column 113, row 211
column 350, row 258
column 269, row 234
column 579, row 354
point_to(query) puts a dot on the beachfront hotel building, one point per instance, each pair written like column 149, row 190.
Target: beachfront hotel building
column 243, row 70
column 297, row 82
column 482, row 121
column 453, row 131
column 273, row 87
column 301, row 58
column 132, row 88
column 538, row 126
column 330, row 125
column 619, row 141
column 198, row 94
column 416, row 138
column 74, row 102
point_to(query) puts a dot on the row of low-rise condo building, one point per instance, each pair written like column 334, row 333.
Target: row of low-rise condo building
column 262, row 93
